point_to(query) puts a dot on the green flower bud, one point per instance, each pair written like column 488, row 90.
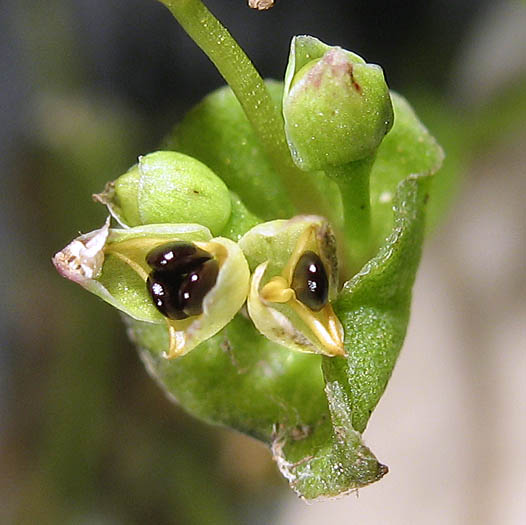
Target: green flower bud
column 295, row 278
column 336, row 107
column 127, row 267
column 168, row 187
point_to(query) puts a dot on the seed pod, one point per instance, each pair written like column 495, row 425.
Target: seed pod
column 168, row 187
column 295, row 277
column 204, row 288
column 336, row 107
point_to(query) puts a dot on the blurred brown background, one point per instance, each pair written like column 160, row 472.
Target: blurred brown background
column 85, row 434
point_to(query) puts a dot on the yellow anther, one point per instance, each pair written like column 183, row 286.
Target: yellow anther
column 177, row 342
column 277, row 290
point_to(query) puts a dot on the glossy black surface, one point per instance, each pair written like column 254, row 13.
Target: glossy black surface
column 182, row 275
column 176, row 256
column 310, row 281
column 196, row 285
column 164, row 290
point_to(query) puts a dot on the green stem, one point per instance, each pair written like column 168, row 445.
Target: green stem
column 353, row 181
column 248, row 86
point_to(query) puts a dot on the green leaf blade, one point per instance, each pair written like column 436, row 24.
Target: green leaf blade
column 408, row 149
column 374, row 306
column 217, row 133
column 241, row 380
column 238, row 378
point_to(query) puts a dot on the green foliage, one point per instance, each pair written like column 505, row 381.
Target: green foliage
column 218, row 133
column 311, row 422
column 408, row 149
column 310, row 409
column 374, row 305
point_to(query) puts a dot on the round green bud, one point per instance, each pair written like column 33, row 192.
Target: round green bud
column 169, row 187
column 337, row 108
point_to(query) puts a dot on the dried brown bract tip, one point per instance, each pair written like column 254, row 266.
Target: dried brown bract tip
column 261, row 5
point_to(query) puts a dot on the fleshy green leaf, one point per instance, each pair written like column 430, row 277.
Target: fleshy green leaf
column 408, row 149
column 310, row 409
column 217, row 133
column 374, row 306
column 238, row 378
column 242, row 380
column 330, row 461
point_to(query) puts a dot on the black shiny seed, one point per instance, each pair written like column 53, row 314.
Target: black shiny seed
column 182, row 275
column 163, row 288
column 196, row 285
column 177, row 256
column 310, row 281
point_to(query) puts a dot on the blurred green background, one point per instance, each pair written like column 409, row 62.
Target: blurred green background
column 87, row 85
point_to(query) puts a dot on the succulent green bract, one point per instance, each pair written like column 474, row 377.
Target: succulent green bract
column 303, row 364
column 336, row 107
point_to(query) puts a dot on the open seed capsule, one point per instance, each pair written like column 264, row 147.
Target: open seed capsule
column 295, row 276
column 194, row 283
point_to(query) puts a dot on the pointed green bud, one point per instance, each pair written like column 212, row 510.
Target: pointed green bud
column 294, row 280
column 336, row 107
column 168, row 187
column 176, row 274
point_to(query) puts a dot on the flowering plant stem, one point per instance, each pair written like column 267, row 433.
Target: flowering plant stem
column 353, row 181
column 248, row 86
